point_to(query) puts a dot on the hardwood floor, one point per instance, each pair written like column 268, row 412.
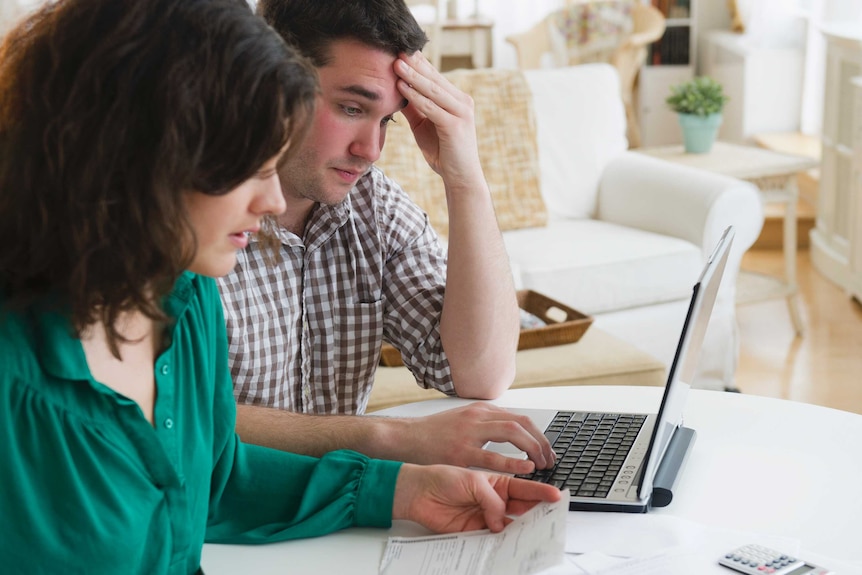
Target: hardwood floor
column 824, row 365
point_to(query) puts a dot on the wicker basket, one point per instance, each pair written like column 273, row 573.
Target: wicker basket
column 565, row 325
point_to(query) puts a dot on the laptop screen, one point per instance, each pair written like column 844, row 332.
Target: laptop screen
column 685, row 360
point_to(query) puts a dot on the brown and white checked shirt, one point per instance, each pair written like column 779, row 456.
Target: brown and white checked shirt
column 305, row 333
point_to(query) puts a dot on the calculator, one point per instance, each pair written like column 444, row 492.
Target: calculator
column 760, row 560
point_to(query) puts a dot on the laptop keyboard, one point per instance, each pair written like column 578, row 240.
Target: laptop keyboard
column 590, row 448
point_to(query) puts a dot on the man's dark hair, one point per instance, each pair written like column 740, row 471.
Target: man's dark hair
column 111, row 111
column 312, row 25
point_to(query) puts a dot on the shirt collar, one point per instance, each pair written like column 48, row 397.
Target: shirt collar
column 322, row 223
column 58, row 348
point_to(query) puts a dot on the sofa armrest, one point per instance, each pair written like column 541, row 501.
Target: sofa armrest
column 654, row 195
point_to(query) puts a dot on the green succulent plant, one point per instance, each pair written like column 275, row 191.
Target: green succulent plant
column 701, row 96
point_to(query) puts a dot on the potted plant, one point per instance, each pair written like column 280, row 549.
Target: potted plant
column 699, row 103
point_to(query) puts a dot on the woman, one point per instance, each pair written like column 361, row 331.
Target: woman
column 138, row 148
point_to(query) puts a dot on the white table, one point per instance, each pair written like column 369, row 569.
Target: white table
column 775, row 174
column 761, row 465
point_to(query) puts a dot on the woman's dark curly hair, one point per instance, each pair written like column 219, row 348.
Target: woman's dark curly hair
column 111, row 110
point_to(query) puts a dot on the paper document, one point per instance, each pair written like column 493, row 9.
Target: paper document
column 531, row 543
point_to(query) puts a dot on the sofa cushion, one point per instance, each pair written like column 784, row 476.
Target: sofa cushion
column 506, row 135
column 575, row 146
column 596, row 267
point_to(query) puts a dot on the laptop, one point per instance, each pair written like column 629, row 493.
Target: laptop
column 631, row 462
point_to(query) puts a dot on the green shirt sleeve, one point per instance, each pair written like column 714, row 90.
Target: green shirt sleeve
column 261, row 495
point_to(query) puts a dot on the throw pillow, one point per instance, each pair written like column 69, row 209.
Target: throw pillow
column 506, row 134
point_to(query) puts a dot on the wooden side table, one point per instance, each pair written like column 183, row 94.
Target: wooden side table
column 775, row 175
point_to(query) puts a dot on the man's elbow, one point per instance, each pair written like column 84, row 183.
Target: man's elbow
column 487, row 383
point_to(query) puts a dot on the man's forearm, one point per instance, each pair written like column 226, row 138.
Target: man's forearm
column 454, row 436
column 479, row 325
column 318, row 434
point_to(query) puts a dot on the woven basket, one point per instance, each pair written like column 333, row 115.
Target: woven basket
column 565, row 325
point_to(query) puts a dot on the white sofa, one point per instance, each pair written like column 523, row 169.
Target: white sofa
column 626, row 234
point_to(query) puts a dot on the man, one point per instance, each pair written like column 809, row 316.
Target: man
column 359, row 262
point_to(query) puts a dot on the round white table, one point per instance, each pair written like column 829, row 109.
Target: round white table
column 761, row 465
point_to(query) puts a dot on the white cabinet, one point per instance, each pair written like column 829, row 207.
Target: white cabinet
column 836, row 241
column 669, row 61
column 854, row 280
column 764, row 84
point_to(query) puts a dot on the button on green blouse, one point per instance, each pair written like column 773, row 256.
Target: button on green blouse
column 87, row 485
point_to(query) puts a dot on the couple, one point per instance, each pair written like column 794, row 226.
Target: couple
column 140, row 144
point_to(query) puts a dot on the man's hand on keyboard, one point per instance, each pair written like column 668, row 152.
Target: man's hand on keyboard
column 456, row 437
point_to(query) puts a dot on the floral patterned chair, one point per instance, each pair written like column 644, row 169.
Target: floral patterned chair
column 614, row 31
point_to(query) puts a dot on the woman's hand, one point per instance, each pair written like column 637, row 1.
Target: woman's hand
column 449, row 499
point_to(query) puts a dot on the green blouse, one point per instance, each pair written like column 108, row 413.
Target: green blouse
column 87, row 485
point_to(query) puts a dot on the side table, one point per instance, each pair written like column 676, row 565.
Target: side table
column 775, row 175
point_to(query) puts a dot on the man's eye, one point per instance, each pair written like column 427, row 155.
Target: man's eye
column 351, row 111
column 388, row 120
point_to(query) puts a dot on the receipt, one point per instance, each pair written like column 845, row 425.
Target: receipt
column 531, row 543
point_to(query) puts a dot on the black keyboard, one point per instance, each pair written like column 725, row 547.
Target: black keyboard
column 590, row 448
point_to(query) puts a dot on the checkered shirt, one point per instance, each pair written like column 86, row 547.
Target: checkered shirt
column 305, row 333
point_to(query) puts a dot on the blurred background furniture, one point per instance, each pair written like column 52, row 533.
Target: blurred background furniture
column 775, row 174
column 836, row 242
column 614, row 31
column 467, row 43
column 764, row 83
column 431, row 14
column 611, row 233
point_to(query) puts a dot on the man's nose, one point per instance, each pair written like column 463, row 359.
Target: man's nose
column 368, row 144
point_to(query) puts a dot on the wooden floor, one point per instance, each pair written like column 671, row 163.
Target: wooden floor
column 824, row 365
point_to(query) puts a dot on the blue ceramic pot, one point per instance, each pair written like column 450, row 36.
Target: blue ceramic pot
column 699, row 132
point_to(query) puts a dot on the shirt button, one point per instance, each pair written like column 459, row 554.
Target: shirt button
column 165, row 369
column 169, row 423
